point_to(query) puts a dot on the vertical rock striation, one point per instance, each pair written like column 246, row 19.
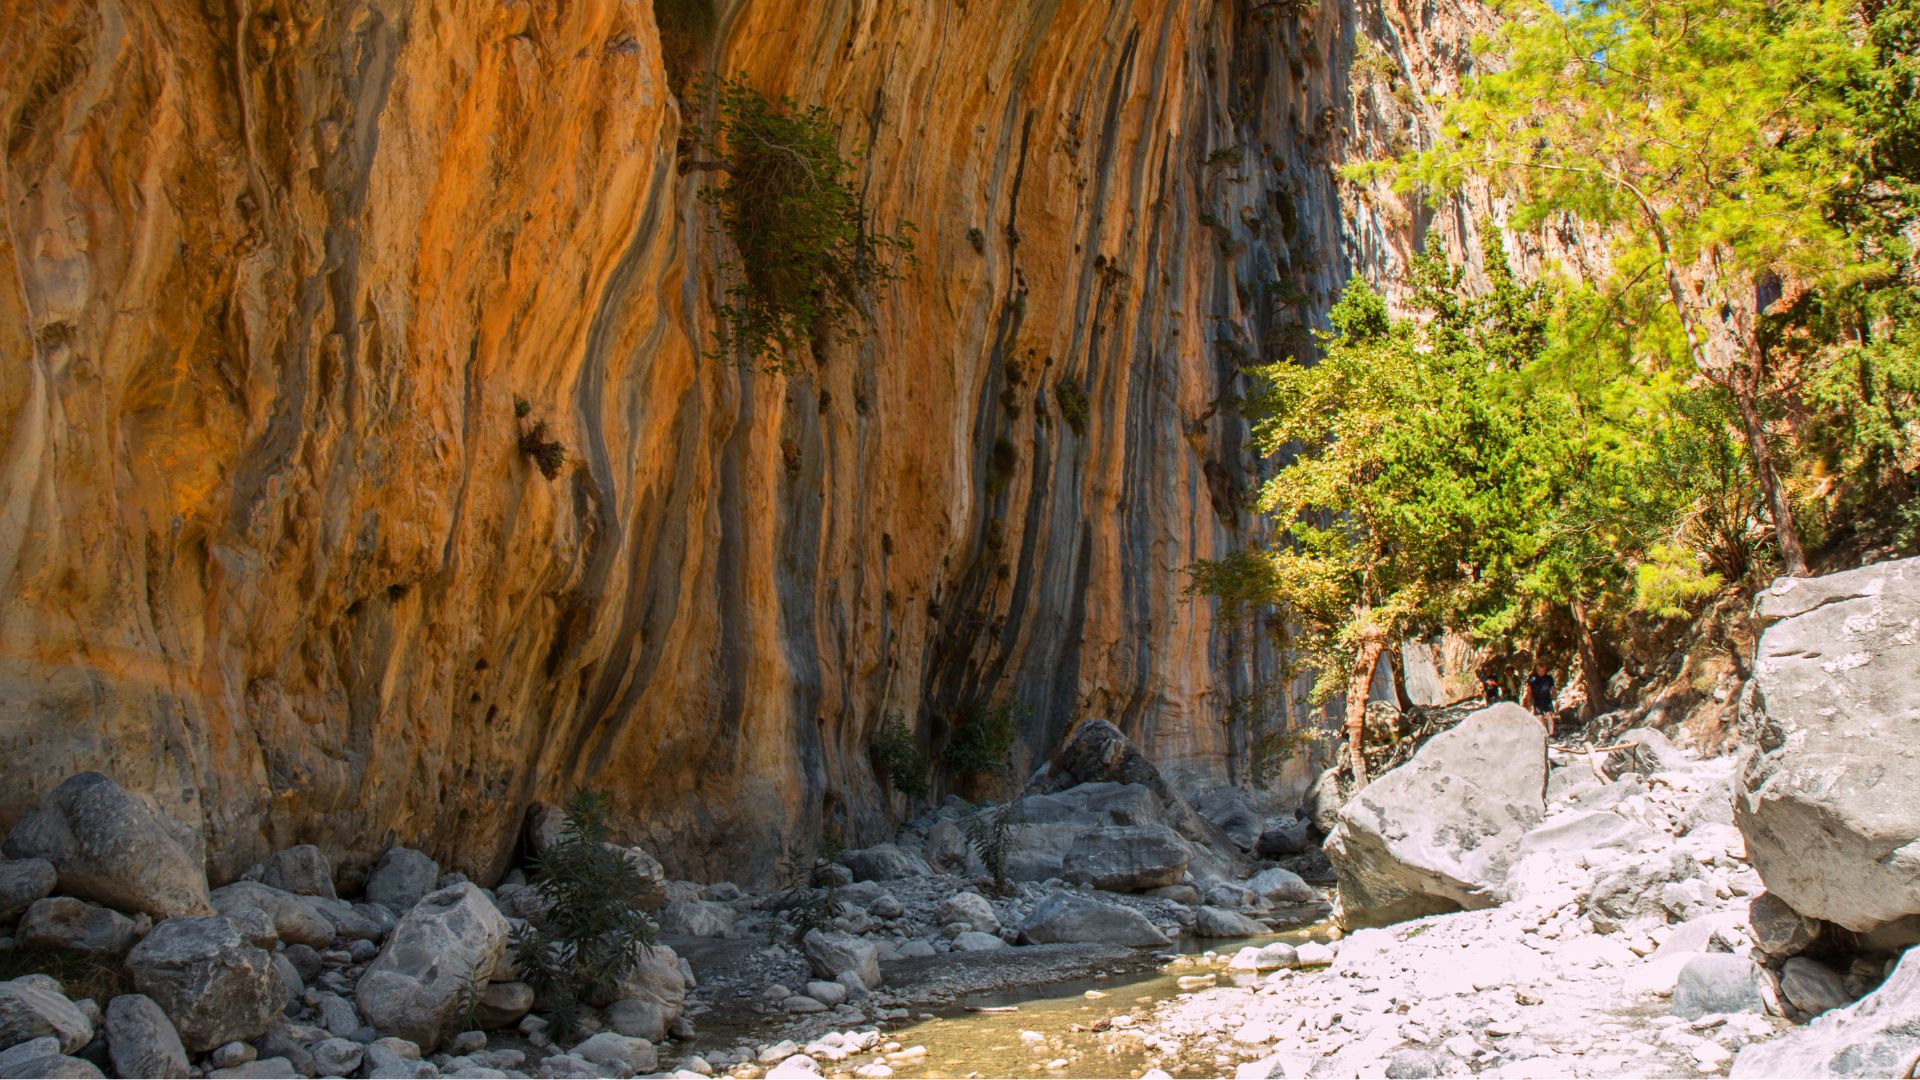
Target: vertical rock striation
column 277, row 273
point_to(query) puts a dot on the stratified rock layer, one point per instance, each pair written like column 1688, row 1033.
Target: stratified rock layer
column 276, row 277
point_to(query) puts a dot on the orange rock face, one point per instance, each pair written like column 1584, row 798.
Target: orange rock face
column 277, row 273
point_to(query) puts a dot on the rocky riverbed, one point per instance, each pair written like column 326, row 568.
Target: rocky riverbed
column 1503, row 908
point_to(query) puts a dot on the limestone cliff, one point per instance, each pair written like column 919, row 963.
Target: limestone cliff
column 277, row 272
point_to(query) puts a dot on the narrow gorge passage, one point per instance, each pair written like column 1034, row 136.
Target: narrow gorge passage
column 857, row 539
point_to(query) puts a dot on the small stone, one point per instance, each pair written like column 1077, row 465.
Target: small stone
column 231, row 1054
column 1812, row 987
column 800, row 1003
column 337, row 1057
column 23, row 881
column 827, row 993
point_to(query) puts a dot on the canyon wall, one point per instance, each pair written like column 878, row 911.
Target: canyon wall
column 277, row 273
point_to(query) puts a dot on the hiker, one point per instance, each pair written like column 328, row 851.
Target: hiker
column 1490, row 679
column 1540, row 694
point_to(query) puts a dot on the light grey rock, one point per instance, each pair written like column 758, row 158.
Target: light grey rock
column 1719, row 983
column 1231, row 811
column 1632, row 895
column 658, row 975
column 23, row 881
column 696, row 918
column 916, row 949
column 41, row 1058
column 209, row 976
column 502, row 1004
column 296, row 919
column 975, row 941
column 1645, row 751
column 110, row 846
column 886, row 906
column 1271, row 957
column 337, row 1057
column 450, row 938
column 1583, row 830
column 827, row 993
column 401, row 879
column 1281, row 886
column 228, row 1055
column 946, row 846
column 1438, row 833
column 1213, row 922
column 1038, row 851
column 970, row 908
column 63, row 922
column 884, row 862
column 1813, row 987
column 1179, row 894
column 1097, row 752
column 35, row 1006
column 831, row 953
column 622, row 1055
column 1071, row 917
column 723, row 891
column 264, row 1069
column 1877, row 1036
column 802, row 1004
column 302, row 869
column 141, row 1040
column 1829, row 799
column 1122, row 858
column 354, row 922
column 641, row 1018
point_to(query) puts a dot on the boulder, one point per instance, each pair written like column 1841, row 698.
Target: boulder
column 1280, row 886
column 1095, row 751
column 946, row 847
column 110, row 846
column 401, row 878
column 1127, row 858
column 42, row 1059
column 1291, row 837
column 695, row 918
column 1635, row 895
column 620, row 1055
column 1230, row 810
column 1813, row 987
column 337, row 1056
column 1644, row 751
column 296, row 920
column 831, row 953
column 1213, row 922
column 22, row 881
column 1719, row 983
column 141, row 1040
column 1778, row 930
column 1070, row 917
column 1119, row 804
column 34, row 1007
column 970, row 908
column 210, row 976
column 1438, row 833
column 451, row 939
column 1323, row 800
column 1877, row 1036
column 62, row 922
column 302, row 869
column 1828, row 796
column 1583, row 830
column 975, row 941
column 1038, row 850
column 659, row 976
column 502, row 1004
column 884, row 862
column 1271, row 957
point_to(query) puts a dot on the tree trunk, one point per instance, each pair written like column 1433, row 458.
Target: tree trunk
column 1366, row 657
column 1591, row 678
column 1791, row 555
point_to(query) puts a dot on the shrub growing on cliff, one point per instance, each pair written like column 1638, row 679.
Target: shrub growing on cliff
column 1074, row 406
column 592, row 931
column 982, row 741
column 808, row 260
column 899, row 759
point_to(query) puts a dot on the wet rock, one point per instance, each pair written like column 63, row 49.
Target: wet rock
column 884, row 862
column 1280, row 885
column 302, row 869
column 448, row 940
column 210, row 977
column 1070, row 917
column 621, row 1055
column 831, row 953
column 402, row 877
column 62, row 922
column 295, row 919
column 696, row 918
column 1438, row 833
column 970, row 908
column 141, row 1040
column 110, row 846
column 23, row 881
column 1877, row 1036
column 1831, row 818
column 1127, row 858
column 35, row 1006
column 1213, row 922
column 1719, row 983
column 1813, row 987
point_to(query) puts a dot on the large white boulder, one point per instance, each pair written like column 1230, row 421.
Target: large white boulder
column 1438, row 833
column 450, row 940
column 1829, row 799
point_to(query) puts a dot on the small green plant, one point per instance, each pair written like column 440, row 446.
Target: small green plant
column 978, row 239
column 899, row 759
column 808, row 260
column 1073, row 402
column 466, row 1002
column 991, row 833
column 547, row 452
column 804, row 906
column 593, row 929
column 982, row 741
column 1006, row 458
column 521, row 408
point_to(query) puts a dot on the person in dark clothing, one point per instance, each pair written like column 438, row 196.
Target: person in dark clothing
column 1490, row 679
column 1540, row 695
